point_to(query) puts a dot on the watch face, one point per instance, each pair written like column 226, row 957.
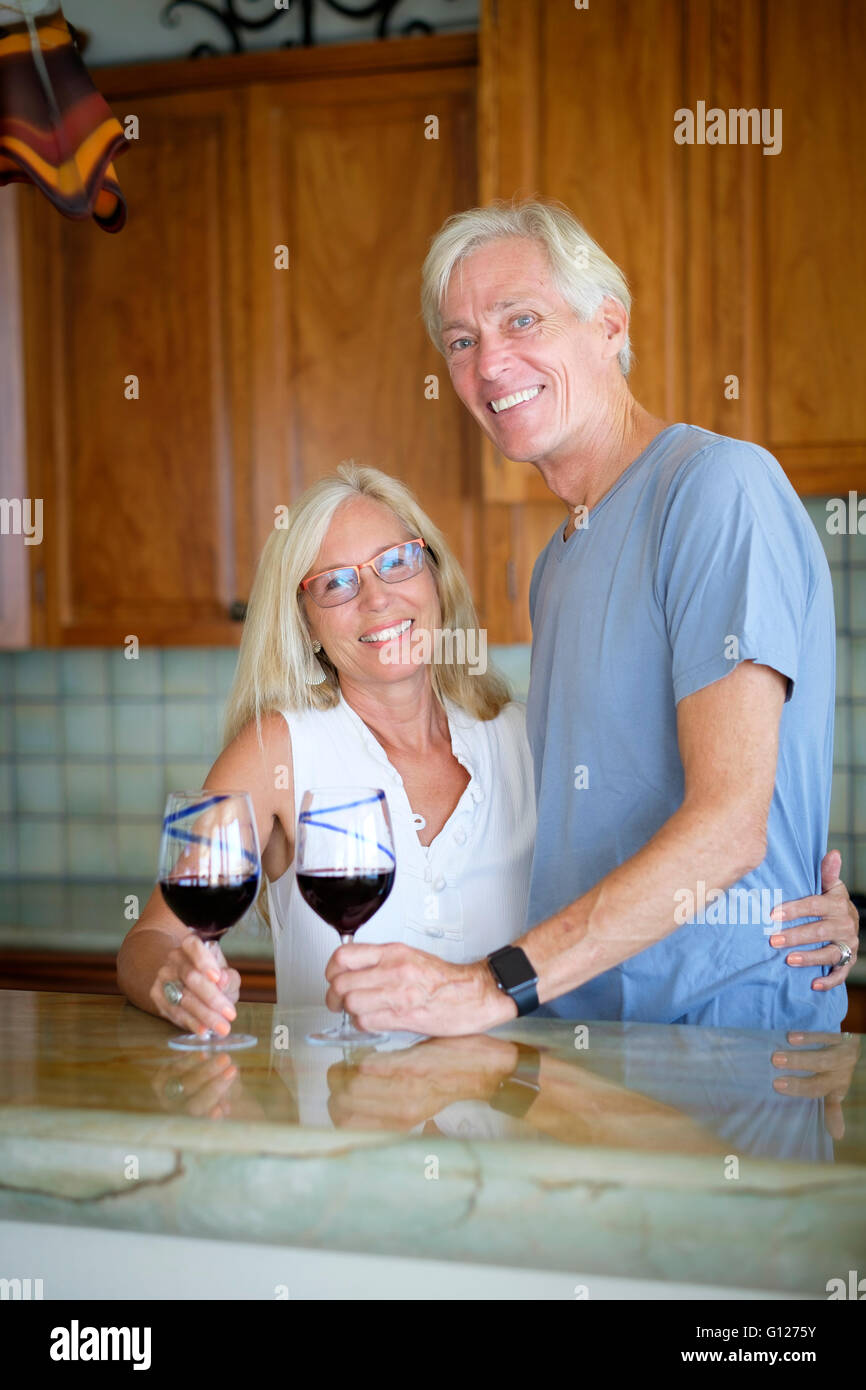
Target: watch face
column 514, row 969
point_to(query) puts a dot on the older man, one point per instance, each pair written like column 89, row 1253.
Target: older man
column 682, row 689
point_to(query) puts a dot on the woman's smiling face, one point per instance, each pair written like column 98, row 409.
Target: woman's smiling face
column 351, row 633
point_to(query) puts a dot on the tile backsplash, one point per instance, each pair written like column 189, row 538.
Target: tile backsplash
column 91, row 742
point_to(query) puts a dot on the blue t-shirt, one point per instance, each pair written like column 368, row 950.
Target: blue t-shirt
column 700, row 556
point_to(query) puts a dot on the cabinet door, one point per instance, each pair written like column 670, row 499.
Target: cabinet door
column 742, row 264
column 578, row 105
column 354, row 176
column 776, row 287
column 137, row 361
column 19, row 512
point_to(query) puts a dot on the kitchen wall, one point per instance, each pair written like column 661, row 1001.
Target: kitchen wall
column 90, row 742
column 125, row 31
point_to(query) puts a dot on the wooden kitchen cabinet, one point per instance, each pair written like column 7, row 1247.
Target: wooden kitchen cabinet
column 740, row 264
column 148, row 523
column 14, row 547
column 252, row 380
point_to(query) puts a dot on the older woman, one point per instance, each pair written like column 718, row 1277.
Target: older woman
column 328, row 691
column 324, row 695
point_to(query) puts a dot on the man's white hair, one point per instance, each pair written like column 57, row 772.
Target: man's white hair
column 582, row 273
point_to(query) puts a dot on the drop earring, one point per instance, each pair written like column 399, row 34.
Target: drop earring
column 316, row 674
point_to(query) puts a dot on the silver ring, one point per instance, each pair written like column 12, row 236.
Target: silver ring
column 847, row 953
column 172, row 991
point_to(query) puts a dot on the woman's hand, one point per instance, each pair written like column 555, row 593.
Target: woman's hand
column 830, row 1067
column 840, row 921
column 210, row 988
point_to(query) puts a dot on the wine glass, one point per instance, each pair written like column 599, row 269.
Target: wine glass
column 209, row 872
column 344, row 866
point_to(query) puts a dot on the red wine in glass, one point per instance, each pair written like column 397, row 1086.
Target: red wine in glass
column 345, row 900
column 209, row 872
column 344, row 868
column 209, row 909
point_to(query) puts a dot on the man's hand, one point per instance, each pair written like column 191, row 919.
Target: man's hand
column 840, row 922
column 394, row 986
column 398, row 1090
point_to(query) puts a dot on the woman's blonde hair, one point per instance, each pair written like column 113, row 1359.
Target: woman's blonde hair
column 276, row 658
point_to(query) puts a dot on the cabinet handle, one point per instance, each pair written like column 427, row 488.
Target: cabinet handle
column 511, row 581
column 238, row 610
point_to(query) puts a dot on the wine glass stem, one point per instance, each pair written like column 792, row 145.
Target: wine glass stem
column 210, row 1035
column 346, row 1025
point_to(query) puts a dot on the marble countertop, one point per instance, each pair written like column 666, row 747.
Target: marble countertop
column 661, row 1153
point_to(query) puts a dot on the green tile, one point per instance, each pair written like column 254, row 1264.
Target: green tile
column 858, row 667
column 6, row 725
column 843, row 667
column 859, row 729
column 39, row 787
column 138, row 788
column 840, row 599
column 858, row 809
column 41, row 847
column 89, row 788
column 87, row 729
column 188, row 671
column 92, row 848
column 842, row 742
column 84, row 672
column 840, row 803
column 138, row 728
column 138, row 848
column 225, row 663
column 37, row 729
column 513, row 663
column 817, row 510
column 857, row 617
column 857, row 883
column 43, row 904
column 845, row 847
column 833, row 544
column 7, row 679
column 10, row 893
column 191, row 728
column 137, row 678
column 35, row 673
column 7, row 788
column 8, row 848
column 184, row 775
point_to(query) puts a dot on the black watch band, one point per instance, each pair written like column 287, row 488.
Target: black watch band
column 517, row 1092
column 514, row 975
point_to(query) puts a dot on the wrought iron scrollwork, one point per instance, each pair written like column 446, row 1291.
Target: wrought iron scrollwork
column 235, row 24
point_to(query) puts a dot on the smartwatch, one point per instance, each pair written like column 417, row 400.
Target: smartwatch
column 515, row 976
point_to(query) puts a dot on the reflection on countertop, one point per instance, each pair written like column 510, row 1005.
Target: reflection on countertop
column 663, row 1150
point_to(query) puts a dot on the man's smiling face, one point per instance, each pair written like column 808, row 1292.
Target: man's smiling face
column 520, row 359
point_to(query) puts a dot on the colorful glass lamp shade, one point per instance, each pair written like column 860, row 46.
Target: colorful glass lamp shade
column 56, row 130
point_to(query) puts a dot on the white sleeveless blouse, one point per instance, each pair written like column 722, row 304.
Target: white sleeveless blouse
column 460, row 897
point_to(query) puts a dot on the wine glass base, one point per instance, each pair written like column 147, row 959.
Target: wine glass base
column 193, row 1042
column 346, row 1037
